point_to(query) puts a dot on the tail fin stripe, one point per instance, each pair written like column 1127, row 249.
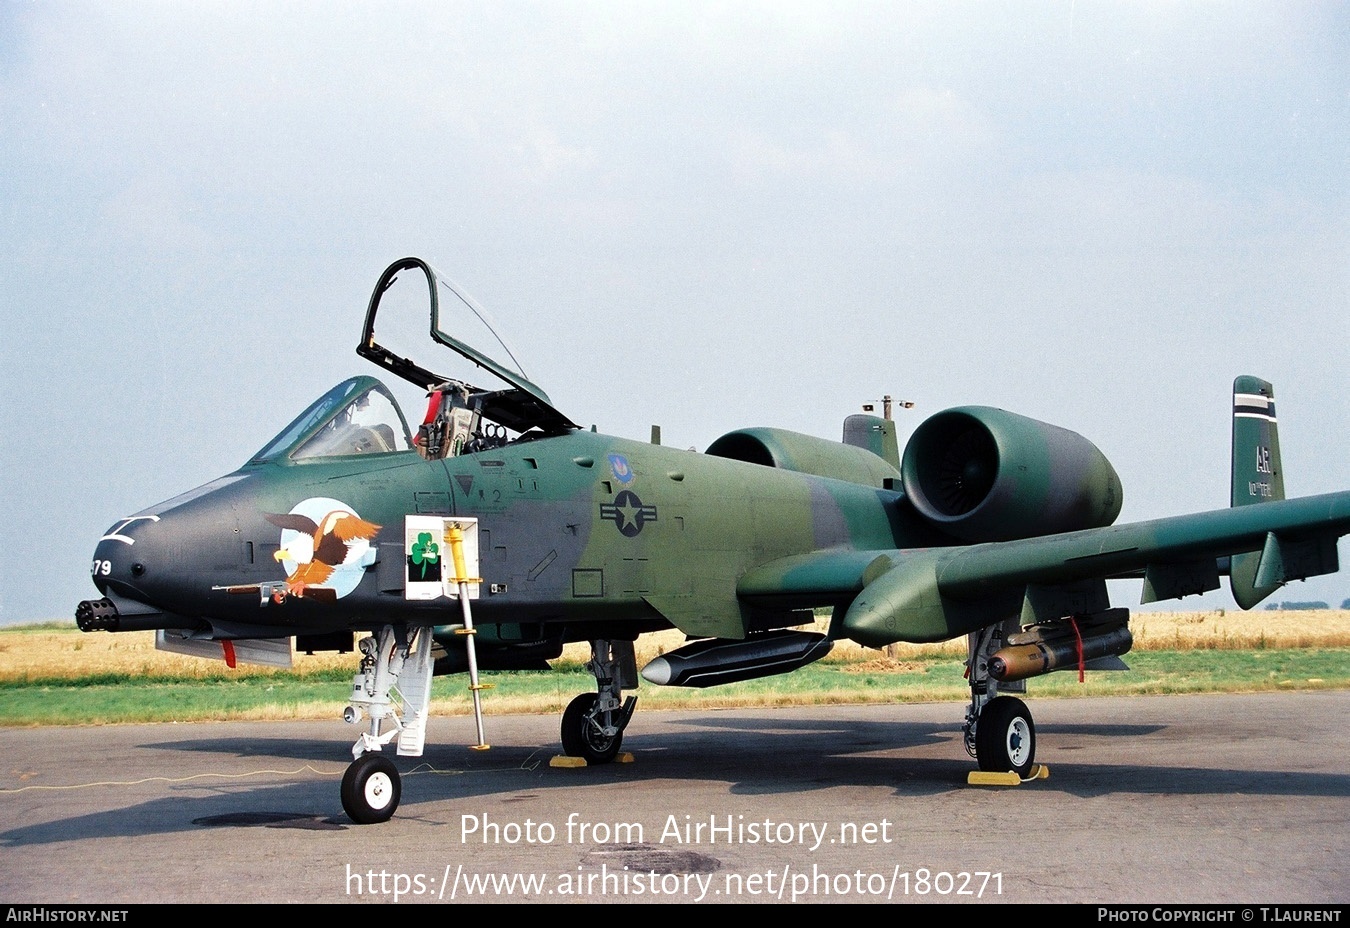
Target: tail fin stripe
column 1253, row 406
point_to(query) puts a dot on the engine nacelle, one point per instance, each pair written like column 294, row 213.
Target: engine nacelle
column 984, row 474
column 805, row 454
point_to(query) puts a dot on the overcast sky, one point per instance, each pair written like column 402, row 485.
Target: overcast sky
column 705, row 216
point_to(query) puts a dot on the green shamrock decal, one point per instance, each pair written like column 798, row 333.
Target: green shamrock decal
column 425, row 557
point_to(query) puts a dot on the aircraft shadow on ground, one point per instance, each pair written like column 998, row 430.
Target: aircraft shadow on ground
column 749, row 754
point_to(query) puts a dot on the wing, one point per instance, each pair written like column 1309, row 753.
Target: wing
column 935, row 594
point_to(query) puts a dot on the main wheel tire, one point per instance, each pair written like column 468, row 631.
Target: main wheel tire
column 1005, row 737
column 371, row 789
column 582, row 737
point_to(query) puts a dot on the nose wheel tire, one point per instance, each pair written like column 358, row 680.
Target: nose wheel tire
column 371, row 789
column 583, row 735
column 1005, row 737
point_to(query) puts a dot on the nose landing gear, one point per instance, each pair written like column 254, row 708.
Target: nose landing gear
column 397, row 660
column 371, row 789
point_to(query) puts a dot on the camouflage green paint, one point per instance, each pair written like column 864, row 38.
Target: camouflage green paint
column 1258, row 477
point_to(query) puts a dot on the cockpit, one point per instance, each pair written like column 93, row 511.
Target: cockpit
column 358, row 416
column 453, row 426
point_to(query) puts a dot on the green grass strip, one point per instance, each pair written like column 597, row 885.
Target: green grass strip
column 118, row 698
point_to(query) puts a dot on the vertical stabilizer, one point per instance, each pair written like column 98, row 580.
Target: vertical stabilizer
column 1258, row 477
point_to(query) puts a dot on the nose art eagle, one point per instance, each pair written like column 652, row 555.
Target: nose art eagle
column 338, row 539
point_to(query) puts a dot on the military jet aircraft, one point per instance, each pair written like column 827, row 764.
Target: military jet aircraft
column 498, row 530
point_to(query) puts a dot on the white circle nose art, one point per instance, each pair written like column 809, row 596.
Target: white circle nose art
column 332, row 549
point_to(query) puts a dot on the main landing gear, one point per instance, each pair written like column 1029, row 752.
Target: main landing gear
column 593, row 723
column 999, row 732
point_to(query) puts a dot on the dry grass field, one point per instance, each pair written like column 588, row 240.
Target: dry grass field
column 32, row 654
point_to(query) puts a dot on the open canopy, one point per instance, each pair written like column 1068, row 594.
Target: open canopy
column 509, row 398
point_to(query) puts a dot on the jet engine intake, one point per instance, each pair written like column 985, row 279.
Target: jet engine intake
column 983, row 474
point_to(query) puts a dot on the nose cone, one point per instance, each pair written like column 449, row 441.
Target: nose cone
column 169, row 556
column 127, row 552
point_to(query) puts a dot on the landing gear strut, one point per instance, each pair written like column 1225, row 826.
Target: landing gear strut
column 395, row 661
column 999, row 732
column 593, row 724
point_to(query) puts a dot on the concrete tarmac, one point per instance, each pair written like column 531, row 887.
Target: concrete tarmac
column 1218, row 799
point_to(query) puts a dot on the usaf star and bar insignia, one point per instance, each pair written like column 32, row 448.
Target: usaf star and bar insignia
column 627, row 512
